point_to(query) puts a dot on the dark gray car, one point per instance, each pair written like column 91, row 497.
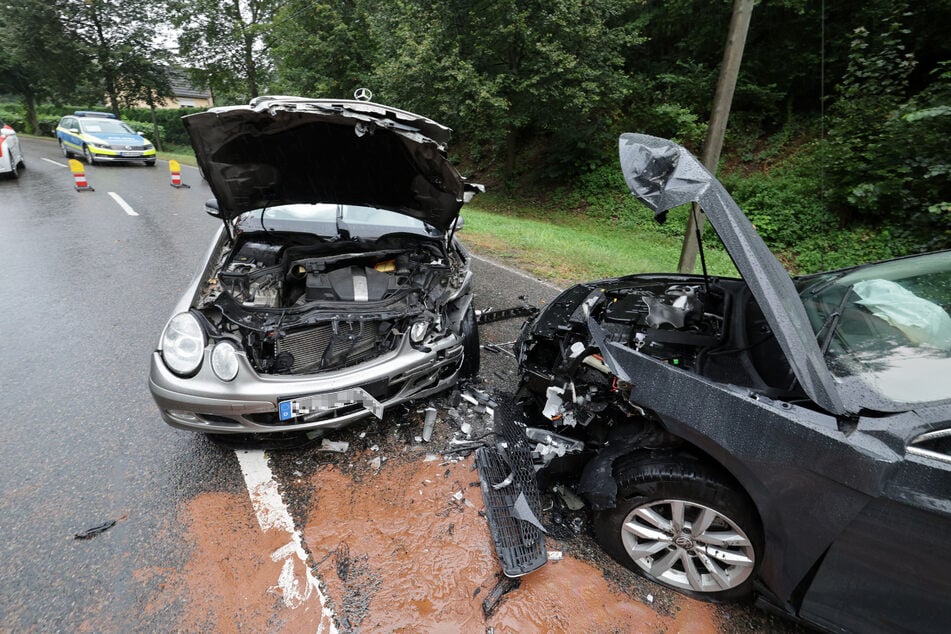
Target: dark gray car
column 784, row 436
column 335, row 287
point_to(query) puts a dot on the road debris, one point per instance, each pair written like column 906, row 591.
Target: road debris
column 489, row 316
column 342, row 560
column 95, row 530
column 503, row 587
column 429, row 423
column 339, row 446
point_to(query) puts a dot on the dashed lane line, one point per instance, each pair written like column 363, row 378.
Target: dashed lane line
column 54, row 162
column 272, row 514
column 125, row 206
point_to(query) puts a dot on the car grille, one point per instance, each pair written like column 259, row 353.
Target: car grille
column 128, row 147
column 319, row 349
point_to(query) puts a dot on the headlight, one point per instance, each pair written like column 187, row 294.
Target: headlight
column 101, row 146
column 418, row 331
column 149, row 146
column 224, row 361
column 183, row 344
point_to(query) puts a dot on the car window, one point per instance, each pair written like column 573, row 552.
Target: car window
column 93, row 126
column 889, row 325
column 328, row 219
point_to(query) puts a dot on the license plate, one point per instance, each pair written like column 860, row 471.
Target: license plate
column 130, row 153
column 317, row 403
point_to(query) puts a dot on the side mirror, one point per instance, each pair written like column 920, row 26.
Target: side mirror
column 458, row 223
column 211, row 208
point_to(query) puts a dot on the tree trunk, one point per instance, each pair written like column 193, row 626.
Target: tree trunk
column 30, row 100
column 155, row 130
column 511, row 148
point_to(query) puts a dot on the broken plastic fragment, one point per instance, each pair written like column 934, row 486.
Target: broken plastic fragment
column 429, row 423
column 521, row 510
column 555, row 555
column 504, row 483
column 336, row 446
column 95, row 530
column 504, row 586
column 572, row 501
column 554, row 405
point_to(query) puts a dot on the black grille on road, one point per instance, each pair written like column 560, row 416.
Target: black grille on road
column 520, row 544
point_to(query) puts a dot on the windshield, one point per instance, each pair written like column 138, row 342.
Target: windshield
column 886, row 328
column 330, row 220
column 98, row 126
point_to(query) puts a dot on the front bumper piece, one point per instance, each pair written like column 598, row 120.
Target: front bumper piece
column 512, row 499
column 254, row 403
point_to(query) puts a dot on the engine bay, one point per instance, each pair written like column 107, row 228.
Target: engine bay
column 276, row 274
column 708, row 327
column 301, row 304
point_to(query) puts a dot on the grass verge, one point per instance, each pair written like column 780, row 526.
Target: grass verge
column 565, row 249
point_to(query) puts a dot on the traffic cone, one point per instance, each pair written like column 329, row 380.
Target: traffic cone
column 176, row 171
column 79, row 176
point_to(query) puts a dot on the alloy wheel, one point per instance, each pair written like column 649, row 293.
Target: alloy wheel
column 687, row 545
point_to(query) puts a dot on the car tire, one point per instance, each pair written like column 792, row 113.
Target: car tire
column 150, row 163
column 471, row 360
column 14, row 169
column 642, row 533
column 64, row 150
column 87, row 154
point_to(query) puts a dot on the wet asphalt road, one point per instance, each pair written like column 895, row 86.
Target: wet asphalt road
column 85, row 290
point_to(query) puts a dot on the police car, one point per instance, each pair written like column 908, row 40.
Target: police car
column 102, row 137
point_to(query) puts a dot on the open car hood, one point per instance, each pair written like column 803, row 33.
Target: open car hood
column 280, row 150
column 664, row 175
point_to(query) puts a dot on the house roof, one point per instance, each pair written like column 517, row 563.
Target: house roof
column 182, row 85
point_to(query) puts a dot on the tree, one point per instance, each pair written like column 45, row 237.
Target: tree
column 497, row 71
column 225, row 41
column 117, row 35
column 324, row 49
column 37, row 60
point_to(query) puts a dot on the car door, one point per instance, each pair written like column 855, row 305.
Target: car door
column 71, row 134
column 890, row 570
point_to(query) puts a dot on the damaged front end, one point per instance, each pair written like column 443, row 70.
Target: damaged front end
column 577, row 416
column 301, row 305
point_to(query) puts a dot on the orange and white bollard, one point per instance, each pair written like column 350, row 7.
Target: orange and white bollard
column 176, row 171
column 79, row 176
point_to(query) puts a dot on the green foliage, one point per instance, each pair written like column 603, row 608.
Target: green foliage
column 13, row 116
column 888, row 157
column 170, row 123
column 225, row 41
column 785, row 204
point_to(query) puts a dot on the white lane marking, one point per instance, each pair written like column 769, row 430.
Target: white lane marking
column 515, row 272
column 125, row 206
column 272, row 513
column 54, row 162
